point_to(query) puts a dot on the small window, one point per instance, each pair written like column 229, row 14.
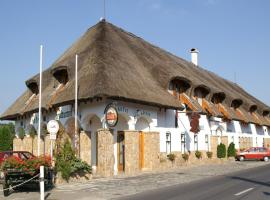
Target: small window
column 183, row 142
column 21, row 123
column 206, row 139
column 168, row 142
column 196, row 142
column 44, row 118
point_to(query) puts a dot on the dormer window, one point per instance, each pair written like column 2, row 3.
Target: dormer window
column 178, row 86
column 266, row 113
column 32, row 86
column 252, row 108
column 236, row 103
column 218, row 98
column 200, row 92
column 61, row 74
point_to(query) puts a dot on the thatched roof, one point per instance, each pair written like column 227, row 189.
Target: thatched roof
column 119, row 65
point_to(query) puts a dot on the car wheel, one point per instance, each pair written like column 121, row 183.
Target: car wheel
column 241, row 158
column 266, row 159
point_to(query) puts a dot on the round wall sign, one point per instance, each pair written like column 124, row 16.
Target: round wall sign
column 53, row 128
column 111, row 116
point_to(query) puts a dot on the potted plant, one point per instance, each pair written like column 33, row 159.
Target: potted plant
column 171, row 157
column 209, row 154
column 198, row 154
column 185, row 156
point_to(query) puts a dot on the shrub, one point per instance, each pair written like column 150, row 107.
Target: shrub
column 171, row 157
column 185, row 156
column 221, row 151
column 32, row 131
column 68, row 164
column 7, row 134
column 21, row 133
column 198, row 154
column 231, row 150
column 209, row 154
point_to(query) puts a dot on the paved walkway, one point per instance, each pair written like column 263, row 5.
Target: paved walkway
column 113, row 188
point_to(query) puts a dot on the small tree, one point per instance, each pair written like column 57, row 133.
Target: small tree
column 32, row 133
column 6, row 137
column 221, row 151
column 21, row 133
column 231, row 150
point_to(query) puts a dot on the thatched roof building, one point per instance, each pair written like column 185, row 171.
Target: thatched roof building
column 116, row 64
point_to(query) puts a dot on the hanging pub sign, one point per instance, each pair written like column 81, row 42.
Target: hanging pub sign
column 111, row 115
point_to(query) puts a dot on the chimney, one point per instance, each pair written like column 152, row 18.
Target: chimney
column 194, row 56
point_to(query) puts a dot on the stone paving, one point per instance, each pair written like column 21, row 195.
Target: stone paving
column 119, row 186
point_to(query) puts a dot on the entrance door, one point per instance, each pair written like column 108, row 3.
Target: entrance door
column 141, row 150
column 121, row 151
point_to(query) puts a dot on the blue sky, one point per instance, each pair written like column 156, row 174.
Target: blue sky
column 233, row 37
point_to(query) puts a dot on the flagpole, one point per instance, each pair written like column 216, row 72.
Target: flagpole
column 40, row 96
column 76, row 102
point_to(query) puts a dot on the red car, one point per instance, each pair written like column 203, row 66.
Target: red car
column 24, row 155
column 254, row 153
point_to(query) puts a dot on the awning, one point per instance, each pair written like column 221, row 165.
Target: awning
column 257, row 118
column 210, row 108
column 224, row 111
column 190, row 103
column 241, row 115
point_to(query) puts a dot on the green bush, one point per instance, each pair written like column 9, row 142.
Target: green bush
column 32, row 131
column 185, row 156
column 231, row 150
column 198, row 154
column 209, row 154
column 7, row 134
column 68, row 164
column 21, row 133
column 171, row 157
column 221, row 151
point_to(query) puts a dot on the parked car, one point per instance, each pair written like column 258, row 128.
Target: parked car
column 254, row 153
column 24, row 155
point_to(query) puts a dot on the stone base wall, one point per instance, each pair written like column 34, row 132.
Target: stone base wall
column 131, row 152
column 30, row 144
column 151, row 150
column 166, row 164
column 105, row 153
column 85, row 146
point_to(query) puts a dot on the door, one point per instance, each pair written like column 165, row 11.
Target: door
column 121, row 151
column 141, row 150
column 250, row 153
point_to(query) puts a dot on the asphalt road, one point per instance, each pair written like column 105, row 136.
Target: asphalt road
column 252, row 184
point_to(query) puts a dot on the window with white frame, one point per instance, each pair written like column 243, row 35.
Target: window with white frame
column 259, row 130
column 168, row 142
column 196, row 142
column 207, row 141
column 246, row 128
column 183, row 142
column 230, row 126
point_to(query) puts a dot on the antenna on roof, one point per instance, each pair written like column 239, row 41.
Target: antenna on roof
column 104, row 12
column 104, row 9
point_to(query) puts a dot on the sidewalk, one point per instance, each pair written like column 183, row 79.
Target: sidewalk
column 119, row 186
